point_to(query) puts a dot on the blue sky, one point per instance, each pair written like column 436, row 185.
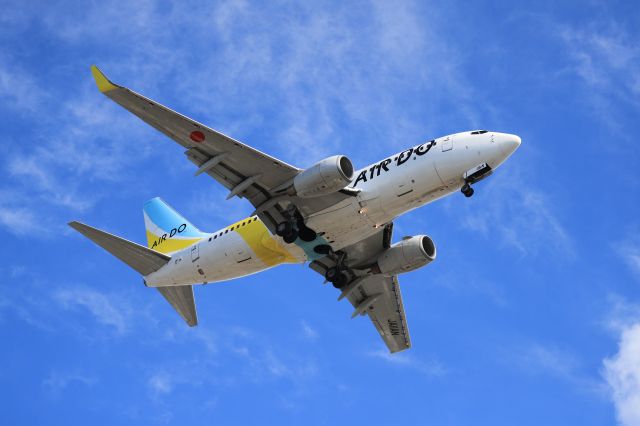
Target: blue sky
column 530, row 315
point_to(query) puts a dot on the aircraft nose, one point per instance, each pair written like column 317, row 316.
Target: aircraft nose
column 509, row 144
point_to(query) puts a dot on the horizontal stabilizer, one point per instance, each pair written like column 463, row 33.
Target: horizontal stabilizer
column 140, row 258
column 182, row 300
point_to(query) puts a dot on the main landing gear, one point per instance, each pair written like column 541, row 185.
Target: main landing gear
column 294, row 228
column 467, row 190
column 337, row 276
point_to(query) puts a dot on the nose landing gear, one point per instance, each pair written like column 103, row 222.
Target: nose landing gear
column 467, row 190
column 474, row 175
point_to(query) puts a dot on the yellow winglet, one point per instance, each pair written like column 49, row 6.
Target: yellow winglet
column 104, row 85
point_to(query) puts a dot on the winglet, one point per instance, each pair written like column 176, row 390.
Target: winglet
column 104, row 85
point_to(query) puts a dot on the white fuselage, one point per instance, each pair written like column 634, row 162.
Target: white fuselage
column 388, row 188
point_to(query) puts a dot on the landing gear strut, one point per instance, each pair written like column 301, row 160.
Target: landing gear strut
column 467, row 190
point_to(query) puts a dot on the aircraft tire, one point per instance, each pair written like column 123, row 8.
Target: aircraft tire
column 290, row 237
column 341, row 280
column 284, row 228
column 307, row 234
column 467, row 190
column 332, row 274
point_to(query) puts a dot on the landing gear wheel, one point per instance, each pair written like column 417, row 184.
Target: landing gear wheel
column 287, row 232
column 467, row 190
column 290, row 237
column 341, row 281
column 284, row 228
column 306, row 234
column 336, row 277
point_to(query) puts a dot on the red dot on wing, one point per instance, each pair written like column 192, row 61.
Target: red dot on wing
column 197, row 136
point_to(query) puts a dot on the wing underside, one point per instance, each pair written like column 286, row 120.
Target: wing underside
column 379, row 297
column 375, row 295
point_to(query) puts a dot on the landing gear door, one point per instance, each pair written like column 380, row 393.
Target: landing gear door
column 195, row 252
column 447, row 144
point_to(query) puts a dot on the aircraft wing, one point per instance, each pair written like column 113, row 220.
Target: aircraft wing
column 245, row 171
column 375, row 295
column 379, row 297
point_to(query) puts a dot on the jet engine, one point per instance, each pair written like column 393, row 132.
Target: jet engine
column 325, row 177
column 409, row 254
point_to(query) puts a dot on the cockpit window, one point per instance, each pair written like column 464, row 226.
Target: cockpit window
column 479, row 132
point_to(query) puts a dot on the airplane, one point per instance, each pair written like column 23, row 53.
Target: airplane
column 338, row 219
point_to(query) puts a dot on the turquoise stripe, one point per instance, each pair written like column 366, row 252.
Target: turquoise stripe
column 308, row 247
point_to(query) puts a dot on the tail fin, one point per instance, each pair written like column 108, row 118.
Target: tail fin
column 167, row 230
column 145, row 261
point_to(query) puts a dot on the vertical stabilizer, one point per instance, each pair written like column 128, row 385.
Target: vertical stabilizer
column 167, row 230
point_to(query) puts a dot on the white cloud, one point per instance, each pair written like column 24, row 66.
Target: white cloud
column 629, row 250
column 18, row 89
column 428, row 367
column 537, row 358
column 309, row 332
column 58, row 381
column 606, row 58
column 160, row 384
column 20, row 221
column 622, row 373
column 520, row 216
column 104, row 308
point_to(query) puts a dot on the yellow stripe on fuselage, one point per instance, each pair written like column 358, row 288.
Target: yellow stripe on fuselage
column 251, row 230
column 258, row 238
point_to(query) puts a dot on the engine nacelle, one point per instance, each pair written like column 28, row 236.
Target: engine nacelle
column 325, row 177
column 407, row 255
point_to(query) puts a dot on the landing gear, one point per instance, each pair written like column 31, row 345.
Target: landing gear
column 294, row 227
column 306, row 234
column 287, row 231
column 467, row 190
column 336, row 276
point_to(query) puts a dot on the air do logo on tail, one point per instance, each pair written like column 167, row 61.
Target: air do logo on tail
column 167, row 230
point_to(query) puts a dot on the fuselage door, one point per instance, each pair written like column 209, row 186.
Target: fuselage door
column 195, row 252
column 447, row 144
